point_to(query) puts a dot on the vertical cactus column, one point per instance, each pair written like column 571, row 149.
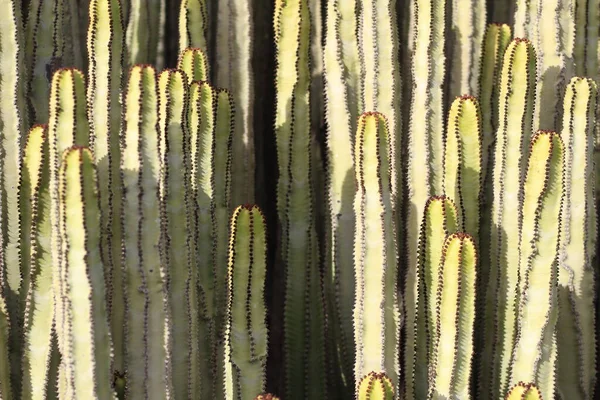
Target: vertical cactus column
column 576, row 319
column 105, row 49
column 193, row 24
column 466, row 33
column 517, row 91
column 144, row 31
column 246, row 336
column 377, row 304
column 440, row 219
column 425, row 149
column 342, row 74
column 194, row 63
column 177, row 237
column 84, row 332
column 233, row 62
column 586, row 21
column 39, row 304
column 524, row 391
column 5, row 366
column 375, row 386
column 147, row 316
column 534, row 355
column 452, row 352
column 303, row 341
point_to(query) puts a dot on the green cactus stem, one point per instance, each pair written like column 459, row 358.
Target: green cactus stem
column 246, row 336
column 450, row 366
column 194, row 63
column 303, row 336
column 375, row 386
column 145, row 30
column 576, row 319
column 516, row 99
column 440, row 219
column 39, row 302
column 147, row 317
column 84, row 331
column 377, row 304
column 5, row 365
column 524, row 391
column 193, row 24
column 105, row 74
column 534, row 355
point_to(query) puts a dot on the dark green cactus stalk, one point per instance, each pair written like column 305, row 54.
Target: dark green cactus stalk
column 246, row 336
column 586, row 21
column 5, row 365
column 375, row 386
column 176, row 234
column 466, row 34
column 147, row 333
column 524, row 391
column 377, row 304
column 194, row 63
column 516, row 98
column 452, row 354
column 440, row 219
column 425, row 149
column 39, row 303
column 193, row 24
column 83, row 329
column 534, row 355
column 105, row 49
column 233, row 68
column 462, row 162
column 575, row 327
column 303, row 341
column 145, row 30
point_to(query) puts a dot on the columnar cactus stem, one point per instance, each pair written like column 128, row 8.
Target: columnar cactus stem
column 462, row 162
column 147, row 332
column 466, row 33
column 105, row 74
column 576, row 319
column 440, row 219
column 246, row 336
column 517, row 90
column 586, row 21
column 534, row 356
column 193, row 24
column 524, row 391
column 375, row 386
column 452, row 354
column 5, row 365
column 377, row 304
column 39, row 309
column 303, row 341
column 176, row 233
column 234, row 71
column 84, row 331
column 425, row 149
column 194, row 63
column 144, row 31
column 342, row 74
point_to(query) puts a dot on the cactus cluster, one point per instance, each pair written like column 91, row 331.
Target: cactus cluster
column 328, row 199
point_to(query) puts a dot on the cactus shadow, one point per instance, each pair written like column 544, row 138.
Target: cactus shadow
column 550, row 101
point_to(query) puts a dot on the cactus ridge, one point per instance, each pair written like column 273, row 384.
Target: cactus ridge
column 524, row 391
column 375, row 386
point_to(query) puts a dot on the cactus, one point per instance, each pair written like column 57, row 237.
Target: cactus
column 524, row 391
column 193, row 23
column 375, row 386
column 83, row 328
column 377, row 304
column 246, row 335
column 147, row 333
column 194, row 63
column 575, row 326
column 452, row 351
column 145, row 31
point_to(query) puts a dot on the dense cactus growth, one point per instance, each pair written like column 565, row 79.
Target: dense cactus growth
column 322, row 199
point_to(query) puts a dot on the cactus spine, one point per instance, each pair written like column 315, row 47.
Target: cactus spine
column 147, row 333
column 246, row 335
column 577, row 245
column 517, row 89
column 377, row 304
column 375, row 386
column 84, row 331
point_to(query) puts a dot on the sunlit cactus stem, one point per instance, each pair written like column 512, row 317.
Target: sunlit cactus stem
column 524, row 391
column 440, row 219
column 145, row 30
column 246, row 336
column 194, row 63
column 377, row 304
column 193, row 24
column 534, row 355
column 147, row 332
column 375, row 386
column 84, row 331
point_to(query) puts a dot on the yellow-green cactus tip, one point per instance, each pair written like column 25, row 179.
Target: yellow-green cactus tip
column 266, row 396
column 524, row 391
column 375, row 386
